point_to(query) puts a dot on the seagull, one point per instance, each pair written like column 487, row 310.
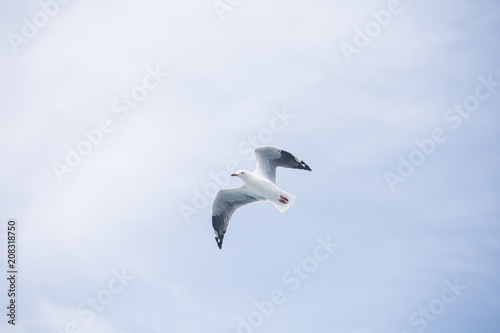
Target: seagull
column 260, row 185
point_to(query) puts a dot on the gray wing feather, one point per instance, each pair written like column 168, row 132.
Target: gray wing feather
column 269, row 158
column 226, row 202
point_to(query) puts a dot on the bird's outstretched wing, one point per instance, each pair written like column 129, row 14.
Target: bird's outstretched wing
column 269, row 158
column 226, row 202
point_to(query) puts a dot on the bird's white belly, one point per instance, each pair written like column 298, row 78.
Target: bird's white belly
column 263, row 187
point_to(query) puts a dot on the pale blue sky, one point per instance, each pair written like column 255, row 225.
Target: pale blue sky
column 118, row 213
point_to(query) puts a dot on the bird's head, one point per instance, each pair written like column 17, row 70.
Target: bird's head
column 243, row 174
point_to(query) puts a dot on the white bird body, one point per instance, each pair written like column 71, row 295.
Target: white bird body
column 260, row 185
column 263, row 187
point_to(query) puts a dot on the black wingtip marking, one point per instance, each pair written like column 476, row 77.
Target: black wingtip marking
column 295, row 163
column 298, row 164
column 219, row 241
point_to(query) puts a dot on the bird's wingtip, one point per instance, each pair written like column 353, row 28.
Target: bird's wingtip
column 305, row 166
column 219, row 241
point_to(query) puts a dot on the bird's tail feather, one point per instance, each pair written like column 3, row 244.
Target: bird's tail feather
column 284, row 202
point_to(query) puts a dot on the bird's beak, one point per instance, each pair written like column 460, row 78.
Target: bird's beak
column 234, row 175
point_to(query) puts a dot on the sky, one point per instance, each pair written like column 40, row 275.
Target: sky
column 121, row 120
